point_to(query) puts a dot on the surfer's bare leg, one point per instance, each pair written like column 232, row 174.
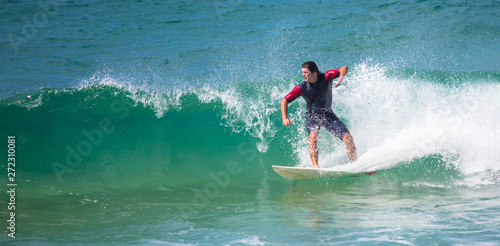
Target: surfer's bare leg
column 313, row 148
column 352, row 153
column 350, row 147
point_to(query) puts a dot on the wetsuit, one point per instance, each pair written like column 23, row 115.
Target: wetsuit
column 318, row 96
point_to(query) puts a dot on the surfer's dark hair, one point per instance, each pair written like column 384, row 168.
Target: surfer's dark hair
column 311, row 66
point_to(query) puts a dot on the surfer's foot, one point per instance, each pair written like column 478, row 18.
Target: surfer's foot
column 367, row 173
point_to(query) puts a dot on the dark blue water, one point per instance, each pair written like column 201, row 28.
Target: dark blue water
column 143, row 122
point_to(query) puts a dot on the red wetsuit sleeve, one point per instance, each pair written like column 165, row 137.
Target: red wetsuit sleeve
column 331, row 74
column 296, row 92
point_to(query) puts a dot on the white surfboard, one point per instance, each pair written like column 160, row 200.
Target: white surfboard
column 297, row 173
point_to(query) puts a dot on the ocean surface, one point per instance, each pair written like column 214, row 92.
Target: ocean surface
column 157, row 122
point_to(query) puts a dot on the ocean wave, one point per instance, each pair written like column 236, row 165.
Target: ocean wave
column 397, row 118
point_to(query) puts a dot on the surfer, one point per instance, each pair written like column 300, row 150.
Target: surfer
column 316, row 89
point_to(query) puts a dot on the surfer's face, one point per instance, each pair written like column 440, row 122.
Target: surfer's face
column 308, row 76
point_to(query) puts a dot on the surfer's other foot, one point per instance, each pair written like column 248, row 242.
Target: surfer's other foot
column 371, row 173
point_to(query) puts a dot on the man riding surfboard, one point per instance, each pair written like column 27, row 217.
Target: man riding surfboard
column 316, row 89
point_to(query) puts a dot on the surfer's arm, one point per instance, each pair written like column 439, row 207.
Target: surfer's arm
column 337, row 73
column 342, row 72
column 296, row 92
column 284, row 112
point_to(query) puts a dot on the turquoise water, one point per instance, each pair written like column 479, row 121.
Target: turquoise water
column 145, row 123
